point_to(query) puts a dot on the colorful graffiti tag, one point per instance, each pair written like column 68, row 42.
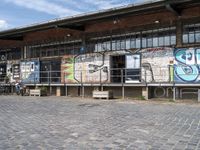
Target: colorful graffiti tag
column 91, row 68
column 30, row 71
column 187, row 65
column 67, row 69
column 156, row 64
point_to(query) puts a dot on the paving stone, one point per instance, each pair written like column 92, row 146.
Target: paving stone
column 72, row 123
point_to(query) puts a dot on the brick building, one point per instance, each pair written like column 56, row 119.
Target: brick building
column 146, row 50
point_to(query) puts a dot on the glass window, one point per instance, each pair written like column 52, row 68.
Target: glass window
column 133, row 44
column 161, row 41
column 149, row 42
column 167, row 40
column 108, row 46
column 191, row 33
column 197, row 36
column 113, row 45
column 155, row 41
column 128, row 44
column 173, row 40
column 138, row 44
column 144, row 42
column 118, row 46
column 191, row 37
column 185, row 38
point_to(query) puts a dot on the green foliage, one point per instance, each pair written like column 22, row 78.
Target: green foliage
column 141, row 98
column 171, row 100
column 43, row 90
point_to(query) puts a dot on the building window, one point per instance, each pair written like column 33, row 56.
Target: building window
column 191, row 33
column 136, row 40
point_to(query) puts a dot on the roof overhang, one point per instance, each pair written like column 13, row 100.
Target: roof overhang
column 78, row 22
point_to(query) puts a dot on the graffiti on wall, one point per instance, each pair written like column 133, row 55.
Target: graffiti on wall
column 13, row 71
column 30, row 71
column 155, row 64
column 187, row 65
column 91, row 68
column 67, row 69
column 88, row 68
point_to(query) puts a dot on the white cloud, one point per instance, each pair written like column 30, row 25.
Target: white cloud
column 44, row 6
column 3, row 25
column 62, row 8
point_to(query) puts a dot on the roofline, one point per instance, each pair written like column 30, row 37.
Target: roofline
column 132, row 8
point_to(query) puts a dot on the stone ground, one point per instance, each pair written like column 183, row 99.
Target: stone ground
column 70, row 123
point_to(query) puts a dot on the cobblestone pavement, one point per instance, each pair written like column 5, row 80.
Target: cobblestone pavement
column 70, row 123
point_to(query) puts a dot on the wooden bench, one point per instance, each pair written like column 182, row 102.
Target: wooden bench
column 35, row 92
column 102, row 94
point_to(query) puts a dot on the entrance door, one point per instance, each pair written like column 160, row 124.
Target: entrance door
column 117, row 68
column 133, row 68
column 50, row 71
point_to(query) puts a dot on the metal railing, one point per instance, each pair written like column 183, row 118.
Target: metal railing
column 106, row 76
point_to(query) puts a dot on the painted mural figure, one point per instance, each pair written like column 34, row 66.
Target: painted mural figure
column 187, row 65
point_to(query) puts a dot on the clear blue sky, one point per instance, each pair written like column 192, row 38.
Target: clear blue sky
column 16, row 13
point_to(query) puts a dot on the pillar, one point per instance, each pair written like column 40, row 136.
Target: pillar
column 145, row 93
column 58, row 91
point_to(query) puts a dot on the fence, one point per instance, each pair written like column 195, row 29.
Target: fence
column 145, row 75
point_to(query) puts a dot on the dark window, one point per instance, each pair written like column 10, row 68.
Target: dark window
column 191, row 33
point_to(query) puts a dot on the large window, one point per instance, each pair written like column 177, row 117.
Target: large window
column 137, row 40
column 50, row 50
column 191, row 33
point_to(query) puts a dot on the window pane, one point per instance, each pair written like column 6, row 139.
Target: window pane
column 149, row 42
column 185, row 38
column 118, row 45
column 96, row 48
column 133, row 45
column 155, row 41
column 113, row 45
column 144, row 42
column 197, row 36
column 161, row 41
column 108, row 46
column 138, row 43
column 173, row 40
column 191, row 37
column 167, row 41
column 128, row 44
column 123, row 44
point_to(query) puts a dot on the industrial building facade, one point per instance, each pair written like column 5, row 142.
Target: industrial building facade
column 148, row 50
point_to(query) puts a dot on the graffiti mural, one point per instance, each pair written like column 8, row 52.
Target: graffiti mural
column 13, row 71
column 30, row 71
column 91, row 68
column 67, row 69
column 156, row 63
column 187, row 65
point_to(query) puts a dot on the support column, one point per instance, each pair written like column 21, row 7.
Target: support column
column 123, row 92
column 179, row 33
column 174, row 93
column 66, row 90
column 58, row 91
column 50, row 90
column 145, row 93
column 83, row 91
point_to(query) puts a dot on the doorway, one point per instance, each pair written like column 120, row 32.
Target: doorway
column 117, row 68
